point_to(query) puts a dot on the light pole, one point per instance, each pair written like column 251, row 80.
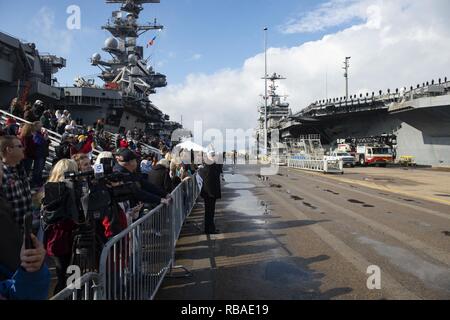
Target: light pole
column 346, row 67
column 265, row 89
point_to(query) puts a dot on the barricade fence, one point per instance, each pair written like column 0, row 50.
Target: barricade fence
column 325, row 165
column 311, row 165
column 89, row 289
column 134, row 263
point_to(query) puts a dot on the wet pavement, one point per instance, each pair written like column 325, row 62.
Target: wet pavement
column 301, row 236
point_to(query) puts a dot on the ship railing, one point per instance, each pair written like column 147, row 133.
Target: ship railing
column 54, row 137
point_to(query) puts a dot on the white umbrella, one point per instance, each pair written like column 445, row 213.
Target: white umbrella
column 189, row 145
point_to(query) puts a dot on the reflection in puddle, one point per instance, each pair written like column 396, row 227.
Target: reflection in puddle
column 237, row 178
column 240, row 186
column 431, row 274
column 246, row 203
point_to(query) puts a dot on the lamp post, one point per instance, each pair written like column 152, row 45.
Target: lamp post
column 346, row 67
column 265, row 89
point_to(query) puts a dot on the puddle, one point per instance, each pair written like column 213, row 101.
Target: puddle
column 277, row 186
column 309, row 205
column 238, row 186
column 368, row 206
column 237, row 178
column 331, row 191
column 446, row 233
column 323, row 213
column 246, row 203
column 430, row 274
column 296, row 198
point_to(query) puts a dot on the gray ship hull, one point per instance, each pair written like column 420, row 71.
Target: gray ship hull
column 423, row 131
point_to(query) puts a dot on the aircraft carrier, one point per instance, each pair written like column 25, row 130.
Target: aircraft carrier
column 128, row 77
column 415, row 120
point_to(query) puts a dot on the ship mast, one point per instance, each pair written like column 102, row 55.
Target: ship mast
column 128, row 71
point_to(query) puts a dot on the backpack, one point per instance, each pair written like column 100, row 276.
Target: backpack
column 58, row 204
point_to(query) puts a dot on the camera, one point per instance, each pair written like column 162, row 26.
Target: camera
column 101, row 189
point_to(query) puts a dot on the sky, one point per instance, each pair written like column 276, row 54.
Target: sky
column 212, row 51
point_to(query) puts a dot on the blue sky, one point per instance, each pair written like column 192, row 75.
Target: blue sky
column 212, row 50
column 200, row 36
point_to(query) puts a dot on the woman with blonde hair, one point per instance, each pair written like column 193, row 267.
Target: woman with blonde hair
column 60, row 216
column 63, row 166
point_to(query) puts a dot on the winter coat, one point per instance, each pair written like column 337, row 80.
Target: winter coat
column 211, row 181
column 160, row 177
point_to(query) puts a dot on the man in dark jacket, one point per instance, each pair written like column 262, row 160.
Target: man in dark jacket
column 160, row 177
column 211, row 191
column 147, row 193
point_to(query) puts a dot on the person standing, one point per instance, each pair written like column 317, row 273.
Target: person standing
column 211, row 191
column 41, row 143
column 26, row 137
column 15, row 185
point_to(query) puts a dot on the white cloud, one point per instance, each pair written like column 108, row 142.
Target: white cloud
column 326, row 15
column 196, row 57
column 43, row 28
column 396, row 43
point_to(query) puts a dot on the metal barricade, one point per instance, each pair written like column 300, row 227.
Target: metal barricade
column 326, row 165
column 310, row 165
column 134, row 264
column 88, row 289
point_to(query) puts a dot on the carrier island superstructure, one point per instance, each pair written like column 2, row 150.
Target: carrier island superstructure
column 128, row 78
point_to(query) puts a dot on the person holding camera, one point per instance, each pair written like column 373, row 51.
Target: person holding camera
column 23, row 273
column 147, row 193
column 60, row 216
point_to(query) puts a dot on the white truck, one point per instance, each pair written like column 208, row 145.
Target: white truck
column 347, row 158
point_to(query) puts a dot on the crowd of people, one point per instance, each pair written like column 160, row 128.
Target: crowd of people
column 61, row 205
